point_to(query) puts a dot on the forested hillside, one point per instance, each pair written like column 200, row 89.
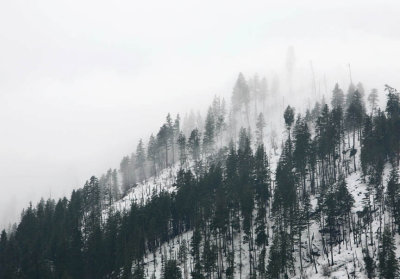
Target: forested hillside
column 253, row 189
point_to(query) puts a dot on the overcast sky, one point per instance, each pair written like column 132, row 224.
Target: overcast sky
column 82, row 81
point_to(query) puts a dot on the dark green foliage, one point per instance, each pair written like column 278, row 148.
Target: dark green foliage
column 354, row 113
column 228, row 200
column 127, row 173
column 289, row 117
column 337, row 97
column 209, row 132
column 393, row 112
column 260, row 129
column 369, row 265
column 194, row 144
column 388, row 264
column 138, row 272
column 280, row 256
column 182, row 148
column 302, row 139
column 241, row 94
column 172, row 270
column 140, row 160
column 152, row 153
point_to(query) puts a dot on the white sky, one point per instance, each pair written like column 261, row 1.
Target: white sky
column 82, row 81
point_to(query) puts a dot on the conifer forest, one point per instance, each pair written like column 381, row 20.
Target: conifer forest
column 317, row 197
column 199, row 140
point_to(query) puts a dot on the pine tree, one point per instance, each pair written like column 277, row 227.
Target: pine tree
column 172, row 270
column 388, row 264
column 369, row 265
column 115, row 185
column 141, row 160
column 209, row 132
column 176, row 130
column 152, row 153
column 254, row 88
column 3, row 254
column 393, row 196
column 360, row 89
column 182, row 256
column 354, row 119
column 220, row 115
column 138, row 272
column 302, row 139
column 260, row 128
column 194, row 144
column 262, row 195
column 241, row 96
column 337, row 97
column 350, row 95
column 280, row 260
column 373, row 99
column 182, row 148
column 209, row 258
column 393, row 112
column 289, row 119
column 195, row 252
column 127, row 174
column 163, row 141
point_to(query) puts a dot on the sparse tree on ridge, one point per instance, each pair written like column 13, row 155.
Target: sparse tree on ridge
column 373, row 99
column 241, row 97
column 209, row 132
column 141, row 160
column 337, row 97
column 260, row 125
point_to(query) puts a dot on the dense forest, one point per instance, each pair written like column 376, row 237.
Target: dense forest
column 232, row 195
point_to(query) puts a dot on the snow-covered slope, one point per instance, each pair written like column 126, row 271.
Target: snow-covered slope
column 348, row 258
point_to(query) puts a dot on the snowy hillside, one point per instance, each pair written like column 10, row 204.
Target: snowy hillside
column 261, row 192
column 348, row 256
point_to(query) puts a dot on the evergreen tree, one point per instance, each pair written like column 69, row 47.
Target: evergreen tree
column 360, row 89
column 141, row 160
column 209, row 132
column 393, row 196
column 3, row 248
column 369, row 265
column 373, row 99
column 194, row 144
column 127, row 173
column 280, row 260
column 388, row 264
column 138, row 272
column 152, row 153
column 354, row 118
column 289, row 119
column 302, row 139
column 337, row 97
column 182, row 148
column 350, row 95
column 163, row 141
column 115, row 185
column 393, row 112
column 260, row 128
column 241, row 96
column 220, row 115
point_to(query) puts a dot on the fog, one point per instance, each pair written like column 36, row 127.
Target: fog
column 82, row 81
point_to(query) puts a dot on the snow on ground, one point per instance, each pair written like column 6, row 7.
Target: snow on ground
column 348, row 256
column 143, row 191
column 348, row 260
